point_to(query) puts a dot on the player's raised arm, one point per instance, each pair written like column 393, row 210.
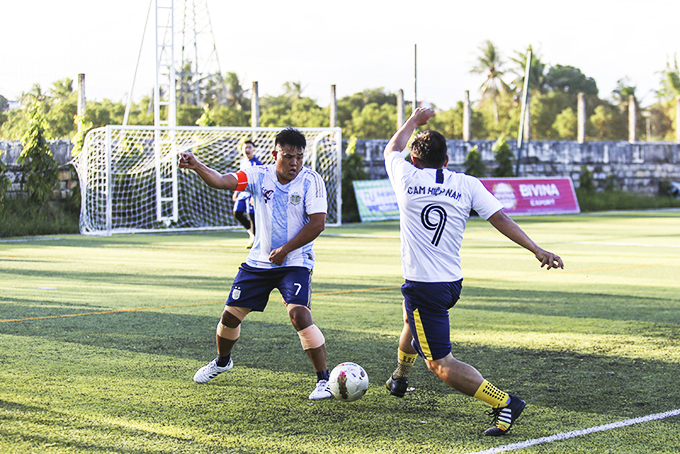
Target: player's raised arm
column 400, row 139
column 211, row 177
column 509, row 228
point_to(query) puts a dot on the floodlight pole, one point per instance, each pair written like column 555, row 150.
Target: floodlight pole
column 525, row 100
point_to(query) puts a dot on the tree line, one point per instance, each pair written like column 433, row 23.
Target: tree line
column 221, row 100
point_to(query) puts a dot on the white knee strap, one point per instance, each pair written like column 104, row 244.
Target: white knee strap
column 311, row 337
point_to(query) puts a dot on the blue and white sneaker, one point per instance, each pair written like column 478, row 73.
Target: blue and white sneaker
column 211, row 370
column 322, row 391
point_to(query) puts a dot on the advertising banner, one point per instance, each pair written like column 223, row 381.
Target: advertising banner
column 523, row 196
column 376, row 200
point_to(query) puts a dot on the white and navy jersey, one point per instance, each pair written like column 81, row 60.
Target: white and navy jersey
column 434, row 206
column 281, row 211
column 245, row 163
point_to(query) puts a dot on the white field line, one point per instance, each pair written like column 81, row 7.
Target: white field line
column 578, row 433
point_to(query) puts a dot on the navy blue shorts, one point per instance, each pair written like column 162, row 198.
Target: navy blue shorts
column 427, row 308
column 252, row 286
column 244, row 205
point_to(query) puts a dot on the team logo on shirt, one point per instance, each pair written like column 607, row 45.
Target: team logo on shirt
column 267, row 194
column 295, row 198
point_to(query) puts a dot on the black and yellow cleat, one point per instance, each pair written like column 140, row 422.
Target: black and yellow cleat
column 505, row 417
column 397, row 386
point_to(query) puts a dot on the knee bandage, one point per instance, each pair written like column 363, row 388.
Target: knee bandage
column 232, row 333
column 228, row 333
column 311, row 337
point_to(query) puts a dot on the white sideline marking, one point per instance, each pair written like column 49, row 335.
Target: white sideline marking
column 578, row 433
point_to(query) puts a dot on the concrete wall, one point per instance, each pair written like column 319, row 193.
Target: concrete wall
column 634, row 167
column 61, row 150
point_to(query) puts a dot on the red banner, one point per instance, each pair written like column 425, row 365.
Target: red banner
column 521, row 196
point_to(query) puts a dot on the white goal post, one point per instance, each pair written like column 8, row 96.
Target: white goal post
column 130, row 181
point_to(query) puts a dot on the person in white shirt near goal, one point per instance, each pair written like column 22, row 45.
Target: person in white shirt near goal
column 434, row 206
column 290, row 213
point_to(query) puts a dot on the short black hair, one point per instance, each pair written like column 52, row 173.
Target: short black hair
column 248, row 142
column 430, row 148
column 291, row 137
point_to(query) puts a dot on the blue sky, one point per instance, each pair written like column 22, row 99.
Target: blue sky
column 353, row 44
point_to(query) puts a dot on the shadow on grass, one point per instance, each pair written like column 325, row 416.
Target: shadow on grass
column 568, row 379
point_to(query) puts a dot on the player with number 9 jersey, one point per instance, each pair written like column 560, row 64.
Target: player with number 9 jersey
column 434, row 206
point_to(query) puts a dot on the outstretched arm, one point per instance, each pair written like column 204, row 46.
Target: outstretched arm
column 400, row 138
column 211, row 177
column 509, row 228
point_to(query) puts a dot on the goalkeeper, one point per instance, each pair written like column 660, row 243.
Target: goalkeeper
column 290, row 208
column 434, row 205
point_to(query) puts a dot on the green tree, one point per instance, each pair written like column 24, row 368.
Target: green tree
column 670, row 80
column 373, row 122
column 236, row 95
column 566, row 124
column 568, row 79
column 5, row 183
column 287, row 111
column 230, row 116
column 206, row 119
column 348, row 105
column 503, row 156
column 586, row 182
column 608, row 124
column 188, row 115
column 490, row 63
column 474, row 165
column 39, row 167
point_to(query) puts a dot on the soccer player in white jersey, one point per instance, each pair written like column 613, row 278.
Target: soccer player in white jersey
column 290, row 212
column 434, row 205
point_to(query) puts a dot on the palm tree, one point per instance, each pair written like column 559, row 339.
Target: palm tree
column 670, row 81
column 489, row 62
column 537, row 80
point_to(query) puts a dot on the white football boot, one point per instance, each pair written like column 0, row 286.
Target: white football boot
column 211, row 370
column 322, row 391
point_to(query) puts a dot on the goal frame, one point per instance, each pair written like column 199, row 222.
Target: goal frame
column 166, row 150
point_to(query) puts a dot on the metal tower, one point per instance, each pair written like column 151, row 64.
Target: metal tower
column 200, row 77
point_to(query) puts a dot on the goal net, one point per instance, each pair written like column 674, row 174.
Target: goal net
column 130, row 181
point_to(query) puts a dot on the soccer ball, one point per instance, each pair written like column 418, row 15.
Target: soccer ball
column 348, row 382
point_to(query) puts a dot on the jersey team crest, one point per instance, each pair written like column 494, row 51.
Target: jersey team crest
column 295, row 198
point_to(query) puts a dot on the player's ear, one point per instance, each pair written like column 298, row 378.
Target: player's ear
column 275, row 154
column 446, row 162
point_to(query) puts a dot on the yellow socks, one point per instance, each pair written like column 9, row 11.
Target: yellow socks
column 404, row 364
column 491, row 395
